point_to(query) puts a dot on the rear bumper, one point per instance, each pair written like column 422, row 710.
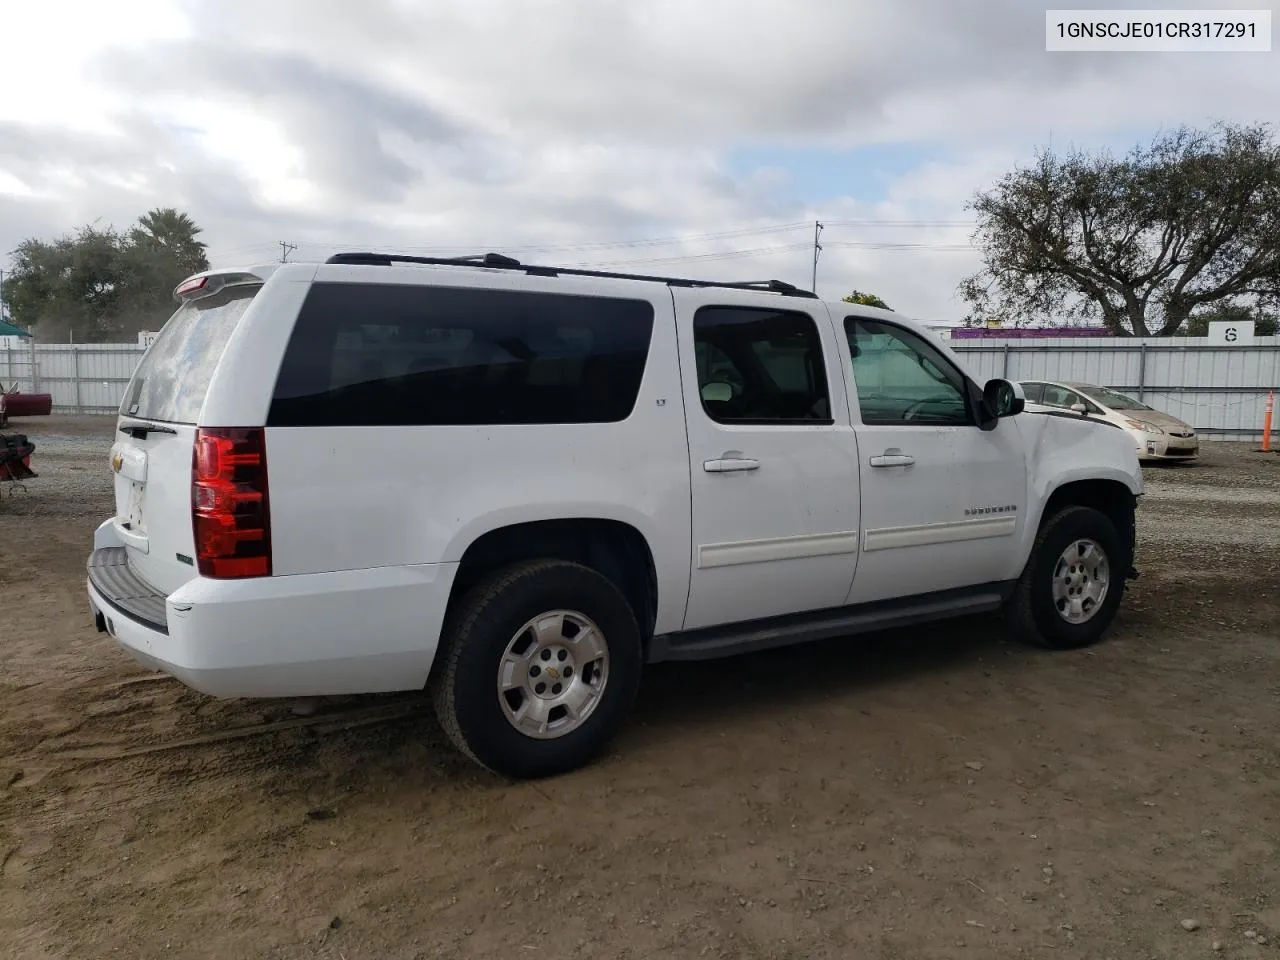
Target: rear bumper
column 352, row 632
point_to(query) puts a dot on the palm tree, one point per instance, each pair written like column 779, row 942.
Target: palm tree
column 176, row 233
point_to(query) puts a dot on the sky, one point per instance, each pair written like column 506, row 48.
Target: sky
column 697, row 138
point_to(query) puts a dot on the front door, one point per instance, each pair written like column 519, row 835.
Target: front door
column 942, row 499
column 773, row 459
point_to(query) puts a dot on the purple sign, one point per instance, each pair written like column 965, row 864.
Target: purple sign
column 1019, row 333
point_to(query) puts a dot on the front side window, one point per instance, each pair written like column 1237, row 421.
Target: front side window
column 760, row 366
column 901, row 378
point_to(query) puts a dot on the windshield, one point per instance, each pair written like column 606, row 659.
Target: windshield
column 170, row 383
column 1109, row 398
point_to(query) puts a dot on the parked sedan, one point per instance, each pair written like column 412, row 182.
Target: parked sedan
column 1158, row 436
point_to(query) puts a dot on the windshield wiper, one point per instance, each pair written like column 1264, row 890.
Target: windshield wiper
column 139, row 431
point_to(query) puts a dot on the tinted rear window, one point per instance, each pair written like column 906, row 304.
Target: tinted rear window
column 173, row 378
column 383, row 354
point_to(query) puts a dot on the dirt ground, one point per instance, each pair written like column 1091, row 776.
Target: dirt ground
column 926, row 794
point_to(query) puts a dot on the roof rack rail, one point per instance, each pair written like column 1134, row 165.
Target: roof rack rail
column 386, row 259
column 500, row 262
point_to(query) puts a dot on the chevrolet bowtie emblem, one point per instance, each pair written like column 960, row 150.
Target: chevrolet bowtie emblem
column 117, row 462
column 553, row 673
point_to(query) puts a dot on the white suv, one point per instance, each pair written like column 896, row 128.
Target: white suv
column 516, row 485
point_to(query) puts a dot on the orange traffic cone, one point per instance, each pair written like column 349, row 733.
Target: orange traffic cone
column 1266, row 422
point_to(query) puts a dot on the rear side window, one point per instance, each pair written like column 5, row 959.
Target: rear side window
column 171, row 382
column 389, row 354
column 760, row 366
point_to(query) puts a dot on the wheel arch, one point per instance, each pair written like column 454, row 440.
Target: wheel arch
column 614, row 548
column 1111, row 497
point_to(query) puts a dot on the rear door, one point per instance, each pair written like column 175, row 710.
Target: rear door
column 773, row 460
column 152, row 453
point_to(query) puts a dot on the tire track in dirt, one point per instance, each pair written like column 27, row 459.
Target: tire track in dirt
column 328, row 724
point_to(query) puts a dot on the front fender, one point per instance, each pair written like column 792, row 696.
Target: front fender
column 1065, row 450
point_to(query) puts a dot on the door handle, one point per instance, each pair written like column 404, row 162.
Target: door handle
column 729, row 465
column 892, row 460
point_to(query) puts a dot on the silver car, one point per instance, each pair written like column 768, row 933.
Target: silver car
column 1158, row 436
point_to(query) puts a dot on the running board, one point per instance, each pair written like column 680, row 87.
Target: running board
column 754, row 635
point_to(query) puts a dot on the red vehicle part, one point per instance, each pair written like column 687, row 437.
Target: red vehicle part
column 15, row 458
column 27, row 404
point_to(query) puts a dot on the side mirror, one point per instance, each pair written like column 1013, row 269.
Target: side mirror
column 1080, row 408
column 1004, row 398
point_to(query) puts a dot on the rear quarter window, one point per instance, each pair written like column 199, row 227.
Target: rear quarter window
column 389, row 354
column 172, row 381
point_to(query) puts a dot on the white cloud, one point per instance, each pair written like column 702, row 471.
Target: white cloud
column 479, row 123
column 46, row 49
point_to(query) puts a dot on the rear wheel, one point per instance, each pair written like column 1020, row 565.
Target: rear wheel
column 538, row 667
column 1073, row 582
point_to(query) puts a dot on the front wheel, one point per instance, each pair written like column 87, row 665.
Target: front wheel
column 1073, row 582
column 537, row 668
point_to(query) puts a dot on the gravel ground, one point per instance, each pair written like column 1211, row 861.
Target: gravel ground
column 74, row 470
column 935, row 793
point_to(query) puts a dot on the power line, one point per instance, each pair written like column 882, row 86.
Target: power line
column 576, row 247
column 872, row 245
column 619, row 244
column 664, row 241
column 901, row 223
column 286, row 248
column 700, row 257
column 252, row 246
column 712, row 256
column 788, row 248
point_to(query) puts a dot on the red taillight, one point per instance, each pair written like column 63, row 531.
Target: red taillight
column 190, row 286
column 229, row 509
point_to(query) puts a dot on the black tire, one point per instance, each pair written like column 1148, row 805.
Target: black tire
column 472, row 645
column 1032, row 614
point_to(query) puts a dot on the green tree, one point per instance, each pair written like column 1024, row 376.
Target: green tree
column 69, row 284
column 866, row 299
column 169, row 231
column 1142, row 242
column 99, row 284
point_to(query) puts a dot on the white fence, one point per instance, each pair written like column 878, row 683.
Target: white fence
column 1220, row 390
column 83, row 378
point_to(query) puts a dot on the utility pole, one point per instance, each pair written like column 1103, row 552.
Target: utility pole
column 817, row 248
column 286, row 248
